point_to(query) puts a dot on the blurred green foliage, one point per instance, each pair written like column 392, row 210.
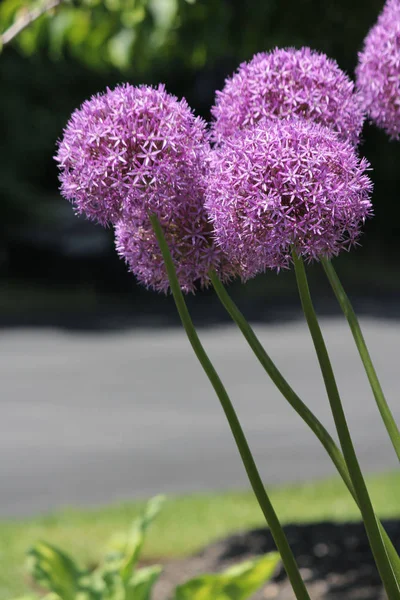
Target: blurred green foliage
column 100, row 33
column 86, row 45
column 193, row 32
column 130, row 34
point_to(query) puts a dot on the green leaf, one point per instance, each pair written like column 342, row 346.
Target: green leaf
column 133, row 17
column 237, row 583
column 126, row 554
column 113, row 5
column 164, row 14
column 137, row 534
column 120, row 47
column 58, row 27
column 55, row 570
column 104, row 586
column 141, row 583
column 80, row 28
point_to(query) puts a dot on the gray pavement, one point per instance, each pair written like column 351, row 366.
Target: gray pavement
column 90, row 418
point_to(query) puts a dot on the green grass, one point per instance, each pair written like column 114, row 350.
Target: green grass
column 185, row 524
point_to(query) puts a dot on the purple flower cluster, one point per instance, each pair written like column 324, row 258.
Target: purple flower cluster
column 134, row 151
column 285, row 83
column 378, row 71
column 131, row 147
column 284, row 183
column 284, row 171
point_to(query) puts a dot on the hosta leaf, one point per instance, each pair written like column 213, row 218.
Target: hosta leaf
column 237, row 583
column 125, row 556
column 55, row 570
column 141, row 583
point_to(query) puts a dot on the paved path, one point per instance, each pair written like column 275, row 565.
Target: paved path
column 92, row 418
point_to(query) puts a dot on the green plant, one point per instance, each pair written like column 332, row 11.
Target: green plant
column 119, row 578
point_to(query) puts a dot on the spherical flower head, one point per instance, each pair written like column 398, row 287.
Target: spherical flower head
column 284, row 184
column 190, row 240
column 286, row 83
column 378, row 71
column 129, row 147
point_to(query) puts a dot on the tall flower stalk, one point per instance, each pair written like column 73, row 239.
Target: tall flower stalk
column 351, row 317
column 298, row 405
column 280, row 181
column 237, row 431
column 371, row 525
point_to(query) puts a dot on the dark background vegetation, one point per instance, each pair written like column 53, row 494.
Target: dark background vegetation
column 58, row 268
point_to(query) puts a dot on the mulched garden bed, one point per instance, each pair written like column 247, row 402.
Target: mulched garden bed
column 334, row 558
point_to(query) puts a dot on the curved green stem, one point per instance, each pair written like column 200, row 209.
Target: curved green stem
column 283, row 386
column 296, row 403
column 351, row 317
column 237, row 431
column 368, row 515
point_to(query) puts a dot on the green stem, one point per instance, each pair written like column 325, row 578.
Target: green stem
column 283, row 386
column 368, row 515
column 237, row 431
column 296, row 403
column 351, row 317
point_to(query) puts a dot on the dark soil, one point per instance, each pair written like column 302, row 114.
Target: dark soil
column 334, row 558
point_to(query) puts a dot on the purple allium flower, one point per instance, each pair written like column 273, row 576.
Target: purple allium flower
column 129, row 147
column 190, row 240
column 378, row 71
column 285, row 83
column 284, row 183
